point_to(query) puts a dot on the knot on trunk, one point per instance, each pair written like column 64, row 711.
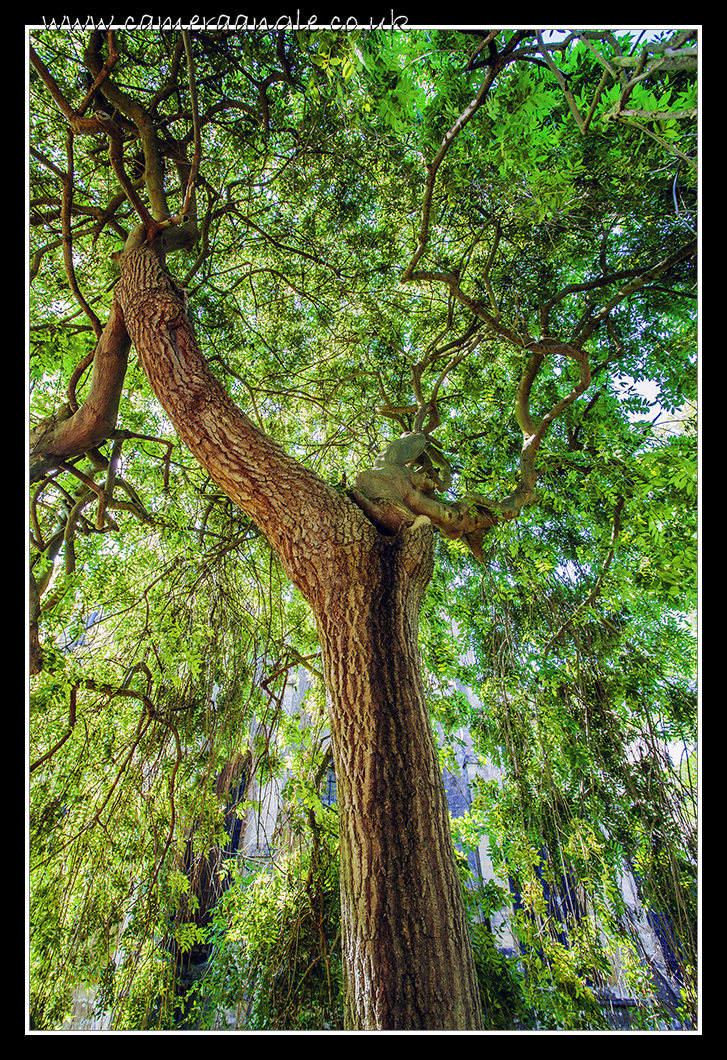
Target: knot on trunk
column 393, row 496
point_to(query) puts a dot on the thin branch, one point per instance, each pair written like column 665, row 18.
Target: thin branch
column 189, row 196
column 561, row 81
column 116, row 157
column 71, row 723
column 432, row 169
column 126, row 435
column 592, row 596
column 590, row 285
column 83, row 501
column 75, row 376
column 650, row 274
column 533, row 434
column 662, row 143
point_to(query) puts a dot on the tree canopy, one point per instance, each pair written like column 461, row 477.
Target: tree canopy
column 483, row 239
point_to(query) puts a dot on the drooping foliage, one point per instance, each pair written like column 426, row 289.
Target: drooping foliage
column 362, row 223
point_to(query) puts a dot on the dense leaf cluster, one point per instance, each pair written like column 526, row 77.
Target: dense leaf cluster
column 167, row 626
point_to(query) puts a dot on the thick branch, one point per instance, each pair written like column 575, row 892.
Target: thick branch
column 476, row 513
column 66, row 209
column 144, row 122
column 303, row 518
column 68, row 433
column 395, row 497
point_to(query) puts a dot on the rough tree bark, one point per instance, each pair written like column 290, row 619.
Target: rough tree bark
column 408, row 963
column 71, row 432
column 407, row 956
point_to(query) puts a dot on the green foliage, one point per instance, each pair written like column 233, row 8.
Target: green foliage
column 276, row 962
column 169, row 631
column 501, row 983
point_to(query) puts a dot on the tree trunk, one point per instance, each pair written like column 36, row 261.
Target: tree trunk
column 407, row 956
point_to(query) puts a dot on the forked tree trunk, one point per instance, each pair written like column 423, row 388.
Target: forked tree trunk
column 406, row 951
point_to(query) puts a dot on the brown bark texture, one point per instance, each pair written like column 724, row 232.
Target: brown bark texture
column 407, row 954
column 72, row 432
column 408, row 964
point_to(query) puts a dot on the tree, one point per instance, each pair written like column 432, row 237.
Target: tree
column 275, row 173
